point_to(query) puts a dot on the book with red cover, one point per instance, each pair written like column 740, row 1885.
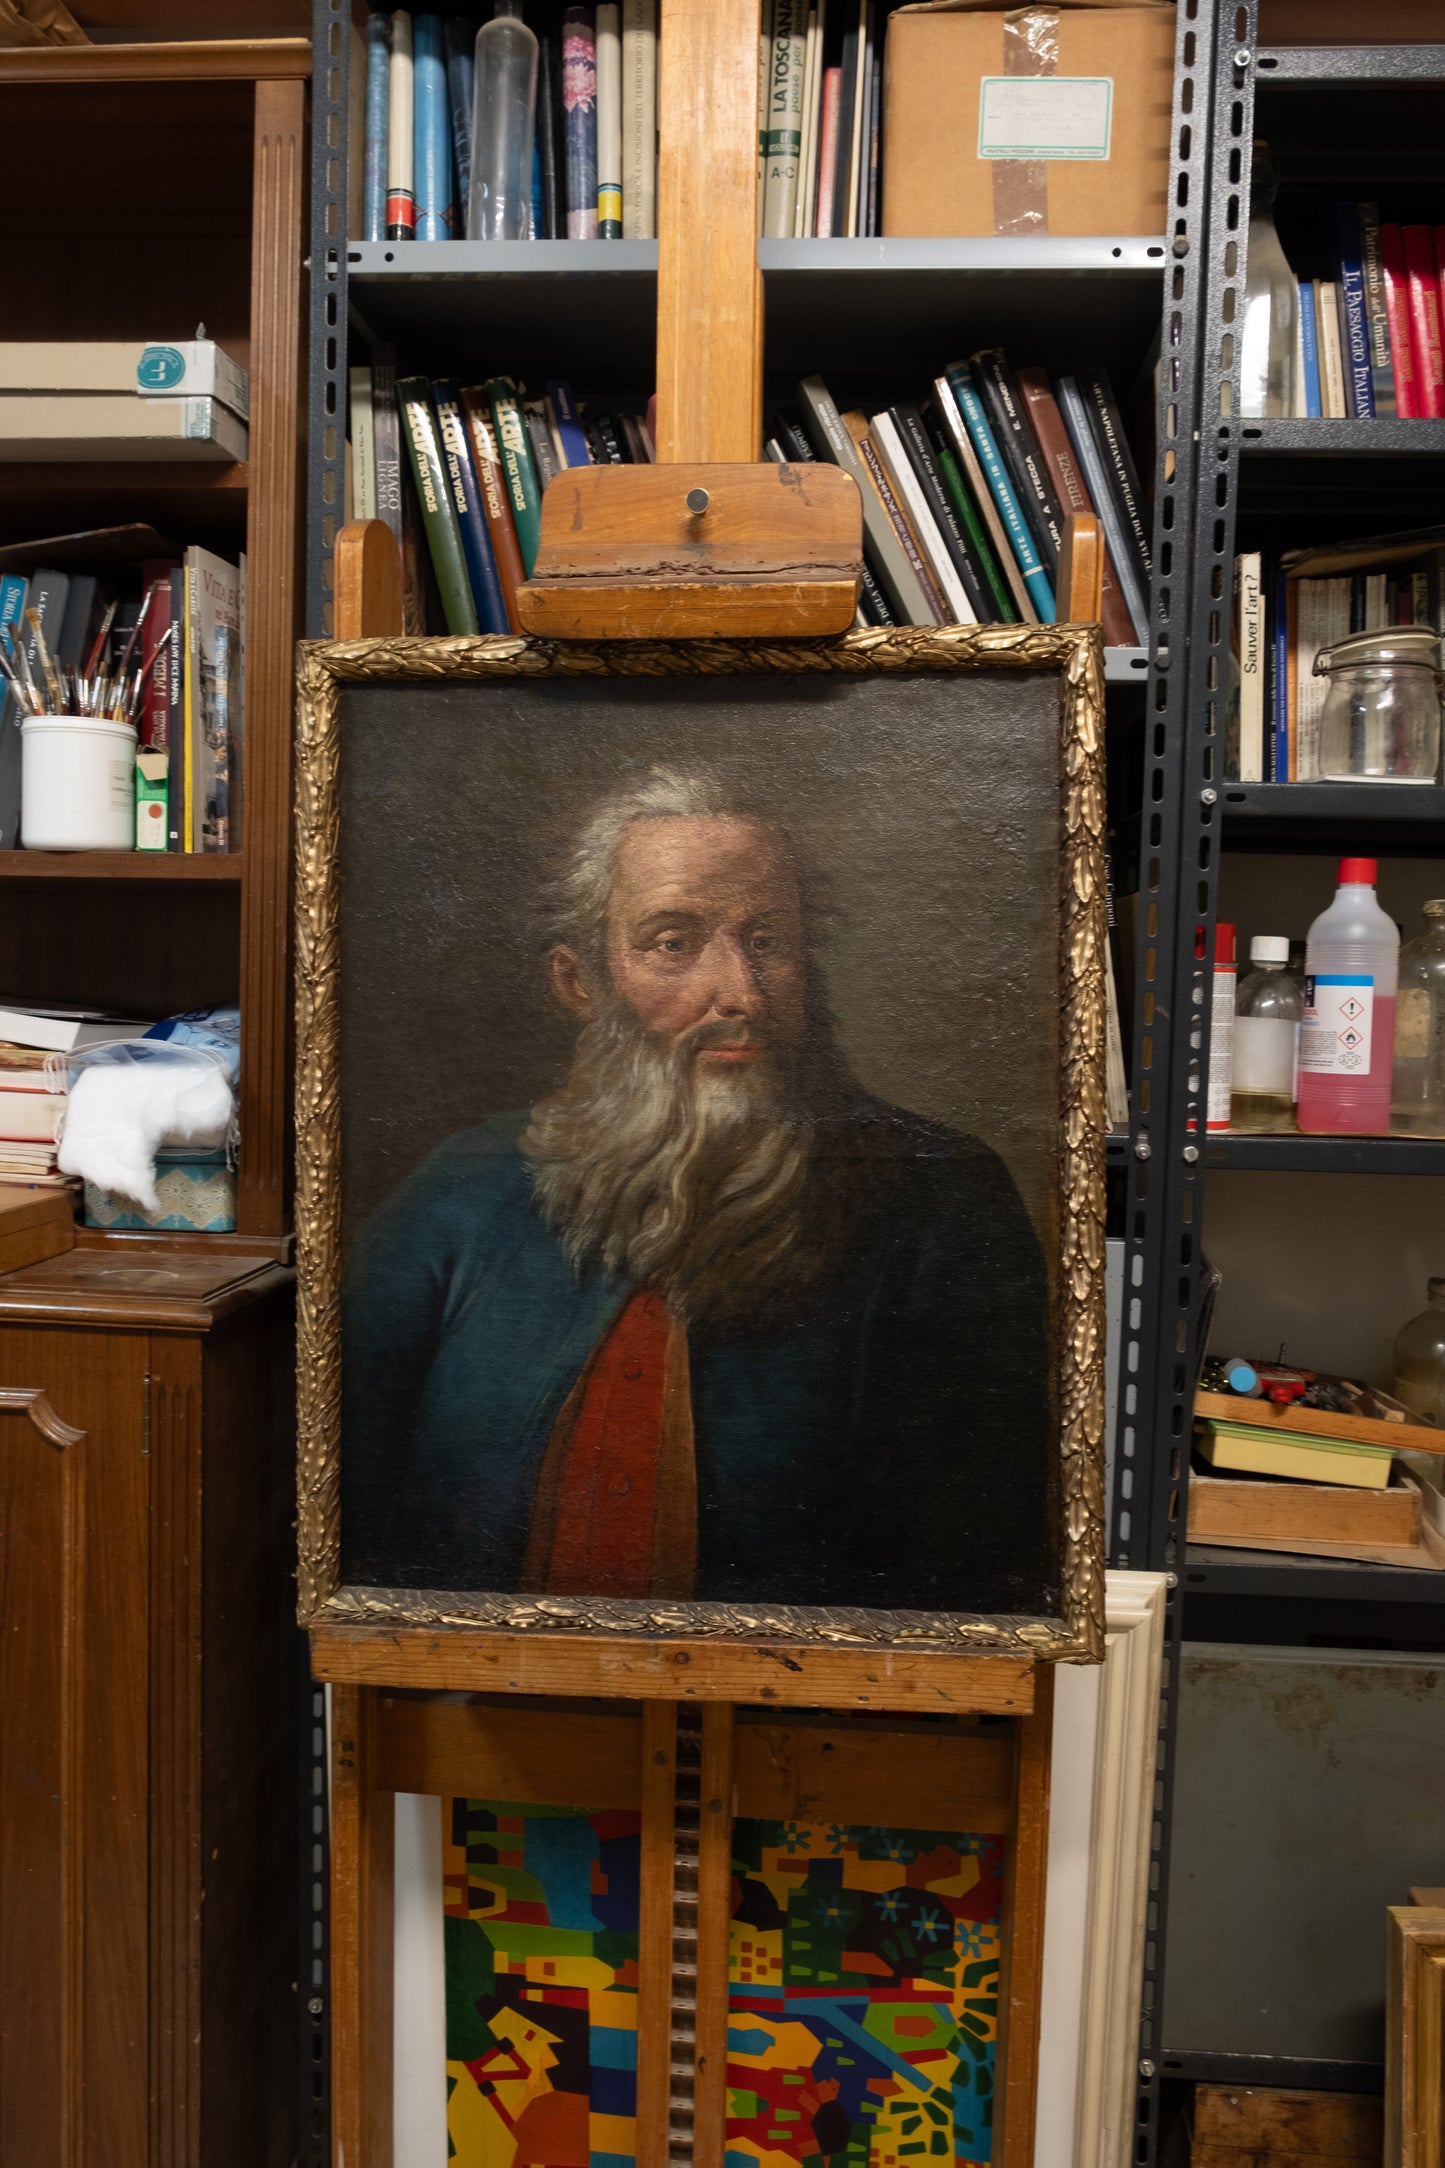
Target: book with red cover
column 490, row 481
column 1397, row 312
column 1421, row 284
column 828, row 149
column 1048, row 427
column 157, row 662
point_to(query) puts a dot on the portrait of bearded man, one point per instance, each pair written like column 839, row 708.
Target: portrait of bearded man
column 709, row 1321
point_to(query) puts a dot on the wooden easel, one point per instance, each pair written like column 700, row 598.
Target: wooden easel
column 691, row 1734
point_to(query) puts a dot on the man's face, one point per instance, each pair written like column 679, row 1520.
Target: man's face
column 705, row 928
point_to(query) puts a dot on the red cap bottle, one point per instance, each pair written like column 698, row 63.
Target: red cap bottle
column 1363, row 871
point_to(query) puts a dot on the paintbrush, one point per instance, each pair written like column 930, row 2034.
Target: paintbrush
column 101, row 637
column 46, row 661
column 135, row 631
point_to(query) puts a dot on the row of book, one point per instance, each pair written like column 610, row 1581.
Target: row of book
column 1369, row 341
column 187, row 691
column 965, row 494
column 820, row 115
column 1287, row 609
column 593, row 154
column 33, row 1086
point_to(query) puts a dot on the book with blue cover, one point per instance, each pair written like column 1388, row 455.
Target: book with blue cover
column 431, row 120
column 1309, row 349
column 1359, row 387
column 467, row 501
column 1021, row 541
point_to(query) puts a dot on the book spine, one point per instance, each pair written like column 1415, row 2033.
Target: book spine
column 523, row 495
column 854, row 118
column 1332, row 378
column 843, row 146
column 539, row 439
column 1309, row 349
column 1251, row 667
column 827, row 151
column 875, row 149
column 433, row 488
column 157, row 659
column 823, row 425
column 914, row 439
column 1424, row 293
column 191, row 701
column 491, row 482
column 13, row 589
column 486, row 585
column 639, row 120
column 809, row 121
column 1377, row 318
column 1020, row 454
column 460, row 40
column 401, row 145
column 363, row 444
column 954, row 429
column 579, row 117
column 783, row 121
column 1359, row 388
column 1397, row 312
column 1075, row 412
column 886, row 441
column 1001, row 607
column 569, row 422
column 970, row 406
column 609, row 122
column 386, row 436
column 1107, row 428
column 378, row 72
column 935, row 608
column 176, row 724
column 550, row 159
column 1072, row 493
column 431, row 125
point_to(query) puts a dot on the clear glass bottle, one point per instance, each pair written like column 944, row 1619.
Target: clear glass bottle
column 1271, row 303
column 1381, row 717
column 1267, row 1013
column 1420, row 1355
column 1417, row 1105
column 504, row 113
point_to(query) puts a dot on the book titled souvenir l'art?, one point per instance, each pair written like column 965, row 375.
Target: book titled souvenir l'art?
column 579, row 121
column 401, row 143
column 378, row 72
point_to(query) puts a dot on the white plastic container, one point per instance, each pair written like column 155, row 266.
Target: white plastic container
column 1347, row 1039
column 77, row 784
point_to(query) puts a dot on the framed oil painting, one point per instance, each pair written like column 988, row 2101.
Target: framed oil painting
column 700, row 1125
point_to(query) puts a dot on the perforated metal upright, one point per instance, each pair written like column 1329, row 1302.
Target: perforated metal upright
column 326, row 444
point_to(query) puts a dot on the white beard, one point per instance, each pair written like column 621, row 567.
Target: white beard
column 669, row 1171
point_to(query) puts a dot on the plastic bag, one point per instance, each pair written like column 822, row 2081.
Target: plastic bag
column 128, row 1099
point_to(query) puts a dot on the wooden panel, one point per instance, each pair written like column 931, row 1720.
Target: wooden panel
column 147, row 950
column 792, row 1675
column 625, row 523
column 120, row 866
column 362, row 1899
column 628, row 610
column 1081, row 570
column 73, row 1823
column 914, row 1780
column 368, row 581
column 1021, row 1975
column 655, row 1931
column 273, row 588
column 714, row 1913
column 709, row 289
column 192, row 61
column 1414, row 2107
column 1243, row 2126
column 550, row 1758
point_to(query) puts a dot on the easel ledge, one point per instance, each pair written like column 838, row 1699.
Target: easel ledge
column 793, row 1675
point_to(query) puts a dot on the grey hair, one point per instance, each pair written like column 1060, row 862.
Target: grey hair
column 578, row 898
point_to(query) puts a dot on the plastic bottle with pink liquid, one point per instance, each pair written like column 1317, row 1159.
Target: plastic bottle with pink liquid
column 1347, row 1039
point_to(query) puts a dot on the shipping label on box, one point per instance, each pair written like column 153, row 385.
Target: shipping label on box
column 1045, row 117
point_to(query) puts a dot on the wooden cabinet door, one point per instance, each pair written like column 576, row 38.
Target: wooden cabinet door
column 74, row 1576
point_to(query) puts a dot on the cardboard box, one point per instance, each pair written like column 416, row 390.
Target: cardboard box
column 34, row 1224
column 973, row 144
column 187, row 369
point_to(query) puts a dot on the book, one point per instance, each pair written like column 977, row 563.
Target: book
column 539, row 438
column 1001, row 608
column 1078, row 423
column 917, row 445
column 934, row 607
column 431, row 125
column 918, row 514
column 1332, row 374
column 155, row 655
column 386, row 437
column 875, row 142
column 639, row 120
column 828, row 148
column 551, row 157
column 363, row 444
column 1107, row 428
column 1071, row 492
column 491, row 481
column 378, row 72
column 952, row 424
column 1026, row 556
column 434, row 495
column 1397, row 315
column 459, row 40
column 569, row 423
column 63, row 1031
column 176, row 741
column 117, row 425
column 1249, row 644
column 400, row 139
column 1354, row 342
column 823, row 426
column 579, row 114
column 523, row 492
column 29, row 1113
column 1309, row 351
column 812, row 100
column 1423, row 292
column 1021, row 454
column 487, row 597
column 854, row 117
column 842, row 212
column 213, row 627
column 45, row 593
column 783, row 117
column 609, row 121
column 1312, row 1460
column 1377, row 315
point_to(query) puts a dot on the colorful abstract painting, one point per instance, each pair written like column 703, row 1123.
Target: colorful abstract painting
column 864, row 1994
column 541, row 1983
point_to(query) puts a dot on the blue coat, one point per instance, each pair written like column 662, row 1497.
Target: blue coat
column 885, row 1443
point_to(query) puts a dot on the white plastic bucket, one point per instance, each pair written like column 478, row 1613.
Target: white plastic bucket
column 77, row 784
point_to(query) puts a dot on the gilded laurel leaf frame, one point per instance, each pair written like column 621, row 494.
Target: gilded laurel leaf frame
column 1074, row 652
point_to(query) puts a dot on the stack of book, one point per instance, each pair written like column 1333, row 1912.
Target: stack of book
column 593, row 157
column 820, row 114
column 33, row 1086
column 1370, row 334
column 1287, row 608
column 182, row 672
column 1312, row 1481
